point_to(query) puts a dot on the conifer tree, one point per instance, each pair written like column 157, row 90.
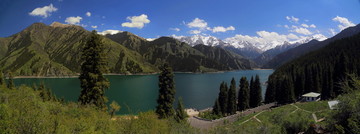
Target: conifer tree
column 180, row 111
column 2, row 80
column 270, row 92
column 223, row 98
column 10, row 84
column 232, row 98
column 243, row 96
column 92, row 81
column 217, row 108
column 167, row 92
column 255, row 93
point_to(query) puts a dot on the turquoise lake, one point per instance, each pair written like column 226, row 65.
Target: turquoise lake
column 138, row 93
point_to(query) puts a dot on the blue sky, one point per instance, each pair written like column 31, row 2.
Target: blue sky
column 221, row 18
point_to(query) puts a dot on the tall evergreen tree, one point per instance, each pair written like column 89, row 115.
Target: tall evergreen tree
column 2, row 80
column 232, row 97
column 287, row 90
column 10, row 83
column 223, row 98
column 93, row 83
column 255, row 93
column 244, row 95
column 180, row 111
column 216, row 108
column 270, row 92
column 167, row 92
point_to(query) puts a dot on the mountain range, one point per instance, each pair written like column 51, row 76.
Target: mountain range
column 55, row 50
column 259, row 52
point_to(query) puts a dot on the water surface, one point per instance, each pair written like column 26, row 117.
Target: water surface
column 137, row 93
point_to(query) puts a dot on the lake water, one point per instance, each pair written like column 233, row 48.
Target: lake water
column 137, row 93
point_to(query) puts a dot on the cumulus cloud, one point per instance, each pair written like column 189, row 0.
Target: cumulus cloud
column 292, row 19
column 332, row 31
column 344, row 22
column 194, row 32
column 73, row 20
column 312, row 26
column 222, row 29
column 88, row 14
column 197, row 23
column 94, row 27
column 292, row 36
column 286, row 26
column 136, row 21
column 43, row 11
column 305, row 25
column 111, row 32
column 302, row 30
column 175, row 29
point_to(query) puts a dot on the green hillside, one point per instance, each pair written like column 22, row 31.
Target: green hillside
column 181, row 56
column 42, row 50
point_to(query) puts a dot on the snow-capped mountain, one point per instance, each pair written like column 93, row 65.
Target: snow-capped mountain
column 244, row 46
column 198, row 39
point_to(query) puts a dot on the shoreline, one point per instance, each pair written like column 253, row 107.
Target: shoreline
column 139, row 74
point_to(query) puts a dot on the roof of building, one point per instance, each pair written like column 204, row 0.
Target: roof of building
column 333, row 104
column 311, row 94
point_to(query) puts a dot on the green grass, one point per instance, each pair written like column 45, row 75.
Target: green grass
column 283, row 119
column 313, row 106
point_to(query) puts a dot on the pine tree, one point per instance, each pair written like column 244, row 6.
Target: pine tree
column 255, row 93
column 288, row 92
column 93, row 83
column 167, row 92
column 232, row 98
column 180, row 111
column 10, row 84
column 216, row 108
column 223, row 98
column 2, row 80
column 244, row 95
column 270, row 92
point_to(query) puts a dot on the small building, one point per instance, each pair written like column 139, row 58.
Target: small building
column 312, row 96
column 333, row 104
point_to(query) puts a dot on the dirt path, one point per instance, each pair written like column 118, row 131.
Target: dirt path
column 312, row 113
column 206, row 124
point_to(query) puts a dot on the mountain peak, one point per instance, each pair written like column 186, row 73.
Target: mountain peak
column 58, row 24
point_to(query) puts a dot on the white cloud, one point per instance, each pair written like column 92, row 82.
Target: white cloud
column 43, row 11
column 332, row 31
column 136, row 21
column 292, row 19
column 88, row 14
column 344, row 22
column 197, row 23
column 312, row 26
column 302, row 30
column 294, row 27
column 175, row 29
column 111, row 32
column 194, row 32
column 292, row 36
column 286, row 26
column 222, row 29
column 305, row 25
column 73, row 20
column 94, row 27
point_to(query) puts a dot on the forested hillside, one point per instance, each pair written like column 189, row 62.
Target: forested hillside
column 313, row 45
column 320, row 71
